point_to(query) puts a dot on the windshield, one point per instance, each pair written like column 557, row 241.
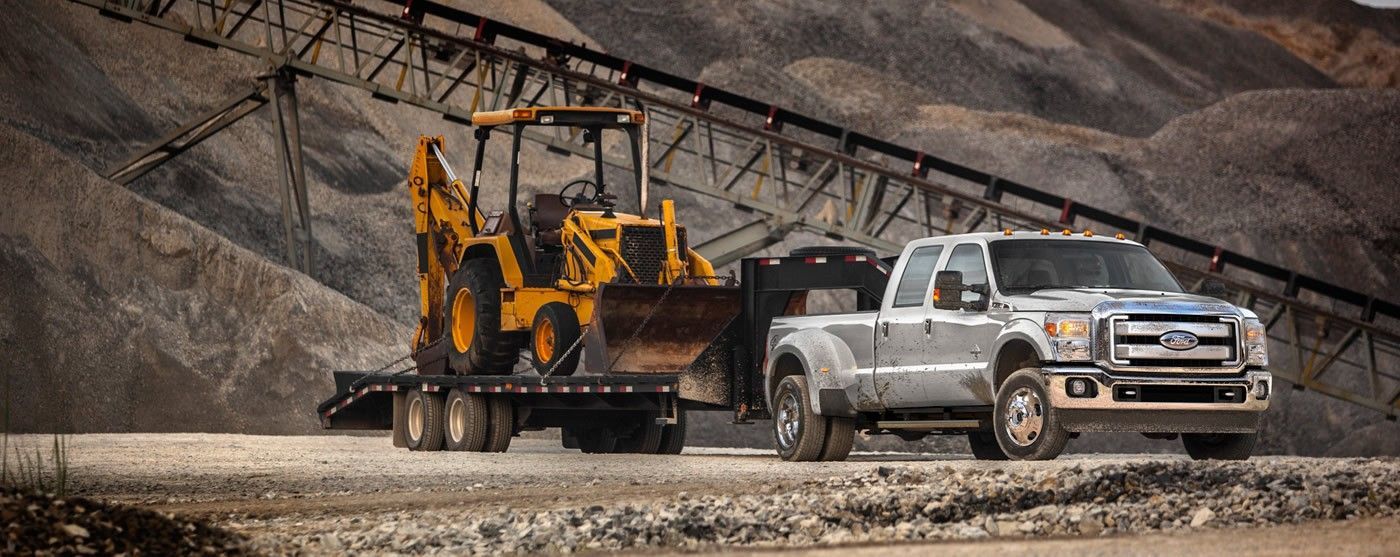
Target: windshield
column 1023, row 266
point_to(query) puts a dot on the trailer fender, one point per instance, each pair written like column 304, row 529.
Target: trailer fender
column 828, row 364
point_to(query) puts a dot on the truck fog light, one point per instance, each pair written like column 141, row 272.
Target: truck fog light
column 1072, row 350
column 1261, row 390
column 1080, row 387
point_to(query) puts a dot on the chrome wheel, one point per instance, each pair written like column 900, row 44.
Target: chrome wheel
column 1025, row 417
column 457, row 420
column 788, row 420
column 415, row 417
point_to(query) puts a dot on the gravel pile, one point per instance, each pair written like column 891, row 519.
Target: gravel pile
column 900, row 504
column 44, row 524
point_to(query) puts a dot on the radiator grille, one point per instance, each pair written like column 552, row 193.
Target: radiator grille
column 1135, row 340
column 644, row 250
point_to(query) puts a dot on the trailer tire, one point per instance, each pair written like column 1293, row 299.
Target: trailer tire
column 476, row 345
column 798, row 432
column 984, row 446
column 552, row 339
column 423, row 417
column 840, row 436
column 673, row 435
column 500, row 424
column 1219, row 446
column 646, row 439
column 465, row 421
column 1026, row 424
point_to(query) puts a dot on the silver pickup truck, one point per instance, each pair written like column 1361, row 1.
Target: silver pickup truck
column 1021, row 341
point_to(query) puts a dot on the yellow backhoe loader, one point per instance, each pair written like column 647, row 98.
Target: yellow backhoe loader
column 573, row 278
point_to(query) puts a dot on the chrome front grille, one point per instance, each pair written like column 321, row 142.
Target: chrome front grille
column 1141, row 340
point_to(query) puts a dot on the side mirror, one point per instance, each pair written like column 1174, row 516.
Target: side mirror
column 1213, row 288
column 947, row 290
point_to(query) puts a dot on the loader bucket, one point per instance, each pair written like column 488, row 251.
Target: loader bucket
column 681, row 327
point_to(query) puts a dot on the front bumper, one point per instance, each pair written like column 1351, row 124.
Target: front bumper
column 1159, row 404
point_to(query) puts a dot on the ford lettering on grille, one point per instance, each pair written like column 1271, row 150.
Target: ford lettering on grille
column 1179, row 340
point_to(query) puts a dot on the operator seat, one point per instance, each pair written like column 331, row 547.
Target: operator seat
column 548, row 218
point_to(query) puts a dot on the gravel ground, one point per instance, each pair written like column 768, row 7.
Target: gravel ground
column 335, row 494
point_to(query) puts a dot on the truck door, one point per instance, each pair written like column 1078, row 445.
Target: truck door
column 901, row 343
column 961, row 339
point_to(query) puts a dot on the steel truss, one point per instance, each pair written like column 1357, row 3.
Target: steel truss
column 811, row 176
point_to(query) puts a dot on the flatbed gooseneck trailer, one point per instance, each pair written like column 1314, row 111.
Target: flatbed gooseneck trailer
column 619, row 411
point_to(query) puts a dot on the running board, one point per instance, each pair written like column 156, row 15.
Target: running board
column 930, row 424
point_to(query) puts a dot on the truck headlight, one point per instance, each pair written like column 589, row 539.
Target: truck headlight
column 1256, row 343
column 1069, row 333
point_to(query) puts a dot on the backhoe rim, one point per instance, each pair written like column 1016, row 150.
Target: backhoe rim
column 463, row 320
column 544, row 341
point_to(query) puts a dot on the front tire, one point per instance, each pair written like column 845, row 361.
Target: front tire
column 552, row 340
column 1219, row 446
column 423, row 421
column 798, row 431
column 1026, row 425
column 476, row 345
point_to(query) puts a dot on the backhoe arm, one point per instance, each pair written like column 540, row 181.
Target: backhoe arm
column 440, row 216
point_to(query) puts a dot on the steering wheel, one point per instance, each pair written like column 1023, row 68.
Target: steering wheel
column 587, row 193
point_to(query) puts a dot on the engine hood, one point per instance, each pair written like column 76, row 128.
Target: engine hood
column 1086, row 299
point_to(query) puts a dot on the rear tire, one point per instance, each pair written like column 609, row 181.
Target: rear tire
column 423, row 421
column 465, row 421
column 500, row 424
column 1219, row 446
column 798, row 432
column 840, row 436
column 552, row 339
column 476, row 345
column 1026, row 425
column 984, row 446
column 673, row 435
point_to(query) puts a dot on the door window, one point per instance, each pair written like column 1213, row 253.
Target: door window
column 913, row 284
column 968, row 259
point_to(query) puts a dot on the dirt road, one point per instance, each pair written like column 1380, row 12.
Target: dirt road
column 336, row 493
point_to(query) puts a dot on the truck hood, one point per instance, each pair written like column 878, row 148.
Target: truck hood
column 1085, row 299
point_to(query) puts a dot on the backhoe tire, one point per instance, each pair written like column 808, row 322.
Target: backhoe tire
column 840, row 436
column 472, row 320
column 798, row 432
column 500, row 425
column 1027, row 426
column 1219, row 446
column 673, row 435
column 552, row 339
column 423, row 421
column 465, row 421
column 984, row 446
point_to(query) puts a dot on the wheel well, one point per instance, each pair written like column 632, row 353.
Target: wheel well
column 787, row 364
column 1014, row 355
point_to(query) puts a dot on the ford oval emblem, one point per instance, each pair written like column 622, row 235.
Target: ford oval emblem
column 1179, row 340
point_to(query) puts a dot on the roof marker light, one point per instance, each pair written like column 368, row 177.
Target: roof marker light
column 1006, row 232
column 1088, row 233
column 521, row 113
column 1120, row 236
column 1045, row 232
column 1066, row 232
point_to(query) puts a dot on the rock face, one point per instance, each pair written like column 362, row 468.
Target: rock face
column 124, row 316
column 130, row 305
